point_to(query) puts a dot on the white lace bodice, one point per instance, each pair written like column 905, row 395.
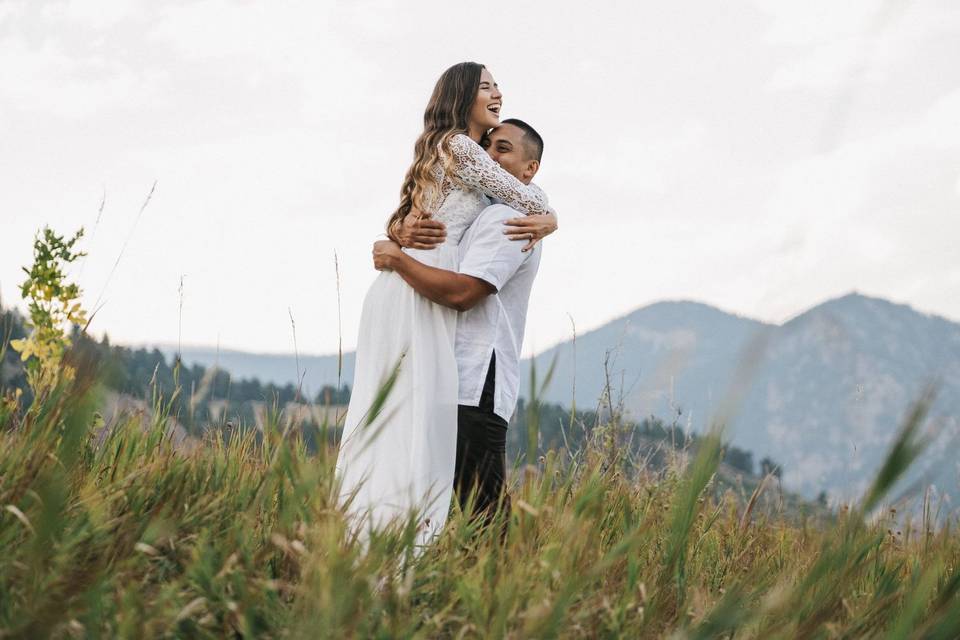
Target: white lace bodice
column 478, row 178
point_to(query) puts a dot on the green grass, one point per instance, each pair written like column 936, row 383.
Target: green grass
column 134, row 539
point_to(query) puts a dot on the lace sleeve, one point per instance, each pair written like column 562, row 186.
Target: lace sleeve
column 478, row 170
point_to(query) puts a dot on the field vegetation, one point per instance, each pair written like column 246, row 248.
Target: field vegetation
column 126, row 535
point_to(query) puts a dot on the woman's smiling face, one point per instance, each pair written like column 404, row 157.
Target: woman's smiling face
column 485, row 112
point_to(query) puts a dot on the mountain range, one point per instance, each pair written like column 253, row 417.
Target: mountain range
column 823, row 393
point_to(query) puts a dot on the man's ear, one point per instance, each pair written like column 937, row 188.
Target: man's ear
column 531, row 169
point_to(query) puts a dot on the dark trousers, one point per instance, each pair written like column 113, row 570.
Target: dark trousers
column 481, row 454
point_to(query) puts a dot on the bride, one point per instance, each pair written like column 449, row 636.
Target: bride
column 397, row 452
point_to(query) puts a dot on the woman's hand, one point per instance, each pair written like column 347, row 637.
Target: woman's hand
column 533, row 229
column 418, row 231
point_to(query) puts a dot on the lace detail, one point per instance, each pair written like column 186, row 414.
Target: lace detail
column 477, row 178
column 478, row 170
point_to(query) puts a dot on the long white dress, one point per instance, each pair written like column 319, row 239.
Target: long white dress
column 402, row 456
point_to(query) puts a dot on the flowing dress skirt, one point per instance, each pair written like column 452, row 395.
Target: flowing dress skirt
column 398, row 453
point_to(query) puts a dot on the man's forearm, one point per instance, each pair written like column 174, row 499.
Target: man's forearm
column 446, row 288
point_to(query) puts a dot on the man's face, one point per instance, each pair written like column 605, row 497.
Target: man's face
column 505, row 145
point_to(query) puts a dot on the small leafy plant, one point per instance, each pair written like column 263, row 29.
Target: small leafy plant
column 53, row 305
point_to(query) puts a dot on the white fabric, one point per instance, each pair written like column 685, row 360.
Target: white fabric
column 497, row 322
column 403, row 457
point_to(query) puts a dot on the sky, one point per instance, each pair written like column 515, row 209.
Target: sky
column 758, row 156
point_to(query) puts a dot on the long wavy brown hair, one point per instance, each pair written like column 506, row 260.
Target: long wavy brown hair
column 446, row 115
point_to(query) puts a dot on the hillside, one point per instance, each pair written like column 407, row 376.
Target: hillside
column 825, row 394
column 281, row 369
column 825, row 391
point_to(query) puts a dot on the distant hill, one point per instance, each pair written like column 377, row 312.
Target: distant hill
column 823, row 393
column 316, row 371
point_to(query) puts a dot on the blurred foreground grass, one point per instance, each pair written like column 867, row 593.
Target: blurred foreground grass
column 130, row 537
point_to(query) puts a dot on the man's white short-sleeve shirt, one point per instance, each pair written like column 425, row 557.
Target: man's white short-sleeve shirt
column 497, row 322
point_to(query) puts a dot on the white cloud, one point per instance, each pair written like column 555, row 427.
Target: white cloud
column 211, row 30
column 106, row 14
column 825, row 67
column 816, row 21
column 860, row 41
column 49, row 79
column 868, row 212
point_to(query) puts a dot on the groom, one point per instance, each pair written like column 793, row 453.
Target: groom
column 491, row 290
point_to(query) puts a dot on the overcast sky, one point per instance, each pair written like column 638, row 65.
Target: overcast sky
column 758, row 156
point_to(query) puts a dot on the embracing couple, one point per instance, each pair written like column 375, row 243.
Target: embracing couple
column 436, row 376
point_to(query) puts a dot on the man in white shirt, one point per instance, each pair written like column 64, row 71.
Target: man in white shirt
column 492, row 291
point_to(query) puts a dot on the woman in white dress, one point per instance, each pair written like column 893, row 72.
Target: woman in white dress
column 397, row 453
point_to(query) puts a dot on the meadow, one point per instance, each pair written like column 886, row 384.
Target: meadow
column 127, row 536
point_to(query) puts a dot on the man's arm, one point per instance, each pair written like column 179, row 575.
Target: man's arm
column 450, row 289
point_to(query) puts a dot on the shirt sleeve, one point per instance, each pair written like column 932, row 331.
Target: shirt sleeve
column 477, row 170
column 491, row 255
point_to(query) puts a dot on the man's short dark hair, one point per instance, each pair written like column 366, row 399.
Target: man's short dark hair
column 531, row 138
